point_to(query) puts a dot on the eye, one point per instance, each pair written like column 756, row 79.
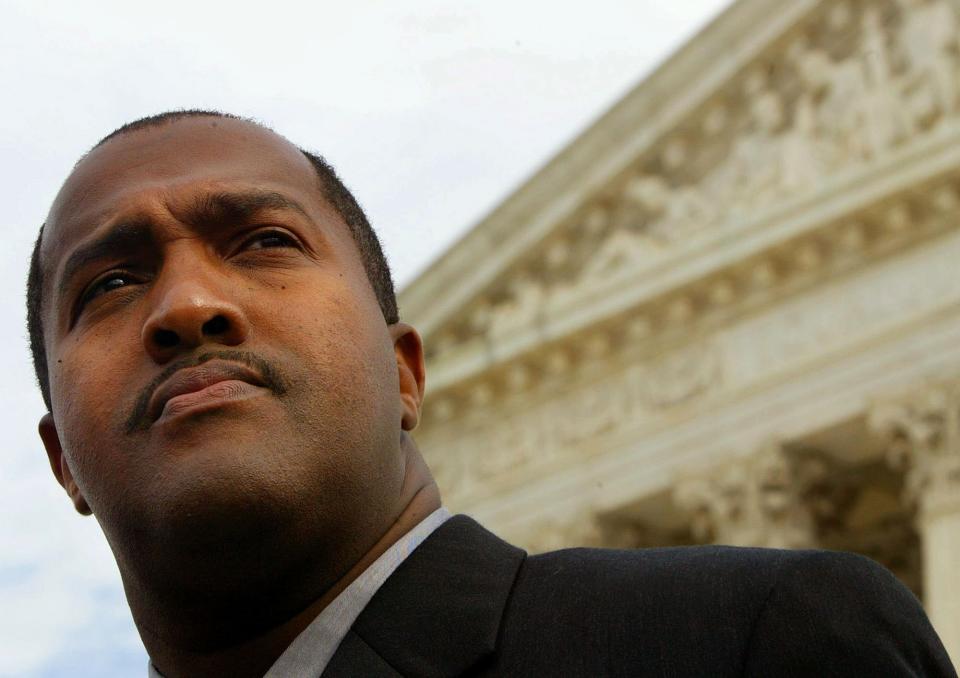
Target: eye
column 269, row 240
column 104, row 285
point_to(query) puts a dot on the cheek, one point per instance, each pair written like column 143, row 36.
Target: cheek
column 347, row 359
column 345, row 331
column 92, row 389
column 343, row 402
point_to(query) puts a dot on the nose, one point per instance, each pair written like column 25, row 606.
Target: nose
column 190, row 311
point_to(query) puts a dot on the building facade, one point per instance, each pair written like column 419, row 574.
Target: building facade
column 729, row 312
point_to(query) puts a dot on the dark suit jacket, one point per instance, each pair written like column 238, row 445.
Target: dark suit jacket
column 467, row 603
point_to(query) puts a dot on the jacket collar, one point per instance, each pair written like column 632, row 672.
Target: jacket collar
column 439, row 613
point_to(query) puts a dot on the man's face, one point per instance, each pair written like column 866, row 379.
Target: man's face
column 219, row 366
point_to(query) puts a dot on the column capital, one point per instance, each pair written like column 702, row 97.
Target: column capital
column 921, row 429
column 763, row 499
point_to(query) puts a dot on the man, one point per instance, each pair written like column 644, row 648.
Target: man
column 231, row 395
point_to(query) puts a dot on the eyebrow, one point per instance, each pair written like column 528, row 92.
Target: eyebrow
column 209, row 208
column 222, row 206
column 124, row 237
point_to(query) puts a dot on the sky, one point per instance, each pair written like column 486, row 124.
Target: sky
column 432, row 111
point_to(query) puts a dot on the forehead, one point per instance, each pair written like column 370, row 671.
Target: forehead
column 175, row 159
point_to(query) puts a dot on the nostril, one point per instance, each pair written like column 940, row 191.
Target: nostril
column 166, row 338
column 216, row 325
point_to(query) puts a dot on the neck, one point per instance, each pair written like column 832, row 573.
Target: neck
column 252, row 656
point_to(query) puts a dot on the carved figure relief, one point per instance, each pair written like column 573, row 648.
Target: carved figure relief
column 928, row 39
column 670, row 212
column 620, row 250
column 755, row 167
column 885, row 117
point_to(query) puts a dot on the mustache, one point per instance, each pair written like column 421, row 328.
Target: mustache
column 273, row 379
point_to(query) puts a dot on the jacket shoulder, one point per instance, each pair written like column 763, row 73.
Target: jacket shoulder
column 835, row 613
column 716, row 610
column 694, row 573
column 669, row 611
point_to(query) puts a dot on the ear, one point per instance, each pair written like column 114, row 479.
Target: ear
column 58, row 463
column 409, row 350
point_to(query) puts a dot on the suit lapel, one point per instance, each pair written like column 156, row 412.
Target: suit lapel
column 355, row 658
column 439, row 613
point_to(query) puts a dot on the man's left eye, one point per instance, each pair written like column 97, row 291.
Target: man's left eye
column 269, row 239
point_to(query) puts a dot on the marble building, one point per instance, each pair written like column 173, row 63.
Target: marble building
column 729, row 312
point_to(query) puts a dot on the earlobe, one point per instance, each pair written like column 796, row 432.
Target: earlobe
column 58, row 463
column 409, row 352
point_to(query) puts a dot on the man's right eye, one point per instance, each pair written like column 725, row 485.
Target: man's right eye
column 104, row 285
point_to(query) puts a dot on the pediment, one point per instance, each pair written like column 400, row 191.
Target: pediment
column 748, row 137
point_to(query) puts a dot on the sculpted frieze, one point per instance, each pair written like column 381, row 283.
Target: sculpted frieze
column 928, row 38
column 663, row 212
column 858, row 81
column 617, row 253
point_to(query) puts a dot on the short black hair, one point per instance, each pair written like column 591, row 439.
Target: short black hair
column 333, row 190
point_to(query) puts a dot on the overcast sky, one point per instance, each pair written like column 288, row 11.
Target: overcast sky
column 432, row 111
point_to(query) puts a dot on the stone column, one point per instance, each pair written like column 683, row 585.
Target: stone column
column 759, row 500
column 922, row 430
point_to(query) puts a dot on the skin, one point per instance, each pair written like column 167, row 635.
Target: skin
column 235, row 523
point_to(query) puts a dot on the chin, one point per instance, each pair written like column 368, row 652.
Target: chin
column 224, row 503
column 201, row 515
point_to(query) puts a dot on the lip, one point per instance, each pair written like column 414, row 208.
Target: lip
column 205, row 385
